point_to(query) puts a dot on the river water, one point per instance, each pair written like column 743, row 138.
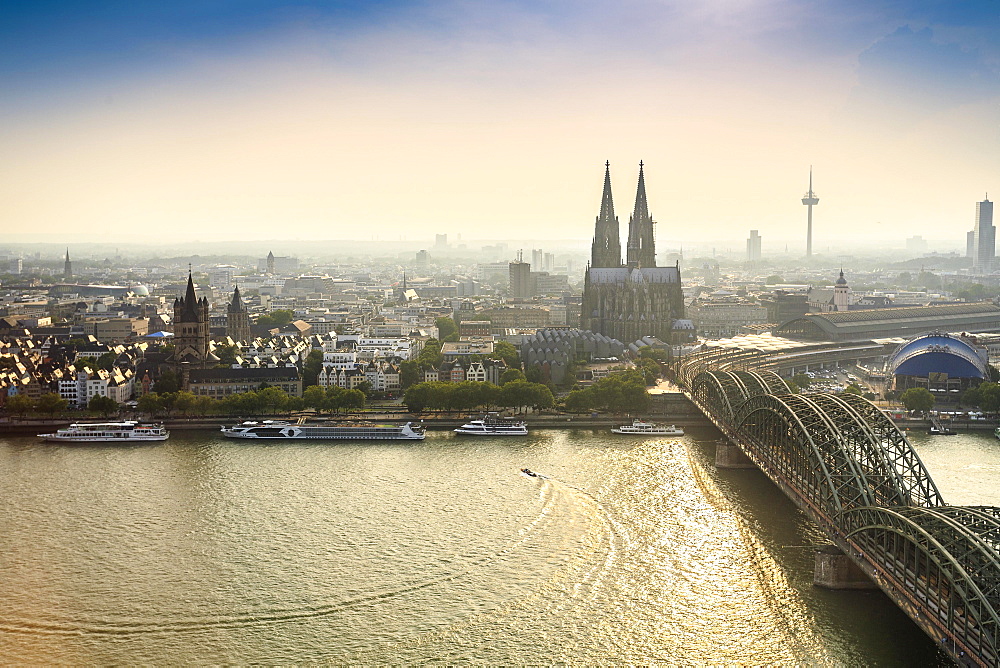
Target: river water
column 631, row 550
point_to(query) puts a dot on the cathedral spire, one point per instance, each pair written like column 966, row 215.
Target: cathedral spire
column 640, row 251
column 606, row 250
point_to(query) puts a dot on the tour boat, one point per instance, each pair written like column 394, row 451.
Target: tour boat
column 493, row 425
column 647, row 429
column 275, row 429
column 130, row 431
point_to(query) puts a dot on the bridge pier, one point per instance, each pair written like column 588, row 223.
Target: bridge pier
column 835, row 570
column 729, row 456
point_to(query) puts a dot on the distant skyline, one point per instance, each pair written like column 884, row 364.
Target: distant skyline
column 337, row 120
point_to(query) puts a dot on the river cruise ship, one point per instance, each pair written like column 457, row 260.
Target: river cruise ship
column 493, row 425
column 643, row 428
column 130, row 431
column 275, row 429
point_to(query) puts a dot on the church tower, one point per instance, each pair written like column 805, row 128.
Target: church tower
column 270, row 262
column 192, row 340
column 841, row 294
column 641, row 251
column 237, row 318
column 67, row 268
column 606, row 250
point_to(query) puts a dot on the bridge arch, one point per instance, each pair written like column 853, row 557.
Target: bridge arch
column 944, row 561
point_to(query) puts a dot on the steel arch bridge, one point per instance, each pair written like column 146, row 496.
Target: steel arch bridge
column 848, row 466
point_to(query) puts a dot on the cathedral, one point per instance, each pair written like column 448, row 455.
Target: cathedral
column 192, row 339
column 635, row 299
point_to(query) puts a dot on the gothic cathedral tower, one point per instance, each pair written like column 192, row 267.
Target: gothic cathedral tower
column 606, row 250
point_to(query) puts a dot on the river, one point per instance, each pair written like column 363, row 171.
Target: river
column 631, row 550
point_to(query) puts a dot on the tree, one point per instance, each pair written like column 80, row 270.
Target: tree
column 311, row 368
column 508, row 353
column 185, row 402
column 446, row 327
column 409, row 373
column 19, row 404
column 853, row 388
column 774, row 279
column 167, row 382
column 106, row 361
column 103, row 405
column 801, row 380
column 917, row 399
column 314, row 396
column 150, row 403
column 273, row 399
column 511, row 375
column 226, row 354
column 276, row 318
column 51, row 403
column 430, row 357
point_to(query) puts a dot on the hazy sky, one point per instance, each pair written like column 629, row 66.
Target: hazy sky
column 220, row 119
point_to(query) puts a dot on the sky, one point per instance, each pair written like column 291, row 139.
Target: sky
column 218, row 119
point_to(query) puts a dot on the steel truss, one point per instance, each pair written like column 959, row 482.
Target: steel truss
column 854, row 471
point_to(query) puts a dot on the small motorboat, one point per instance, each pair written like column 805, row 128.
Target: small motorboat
column 531, row 473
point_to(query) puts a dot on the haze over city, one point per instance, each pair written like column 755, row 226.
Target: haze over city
column 398, row 120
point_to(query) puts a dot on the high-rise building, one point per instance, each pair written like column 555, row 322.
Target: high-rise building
column 520, row 279
column 237, row 318
column 984, row 238
column 753, row 247
column 67, row 268
column 810, row 200
column 536, row 258
column 916, row 244
column 640, row 299
column 440, row 241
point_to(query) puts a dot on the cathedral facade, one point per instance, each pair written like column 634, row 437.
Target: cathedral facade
column 630, row 300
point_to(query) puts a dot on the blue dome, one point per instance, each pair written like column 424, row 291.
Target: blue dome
column 937, row 353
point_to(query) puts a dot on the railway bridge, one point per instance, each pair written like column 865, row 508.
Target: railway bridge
column 854, row 473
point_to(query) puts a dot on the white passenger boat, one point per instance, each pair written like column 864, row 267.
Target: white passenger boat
column 275, row 429
column 108, row 432
column 493, row 425
column 648, row 429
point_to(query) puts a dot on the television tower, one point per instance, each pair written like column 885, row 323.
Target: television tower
column 809, row 200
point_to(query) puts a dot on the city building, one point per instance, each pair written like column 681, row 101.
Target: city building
column 637, row 299
column 916, row 245
column 519, row 286
column 220, row 383
column 983, row 246
column 67, row 267
column 753, row 247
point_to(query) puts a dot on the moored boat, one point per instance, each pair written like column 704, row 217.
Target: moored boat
column 493, row 425
column 648, row 429
column 109, row 432
column 363, row 431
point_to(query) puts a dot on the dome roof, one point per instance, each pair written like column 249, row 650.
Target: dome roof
column 841, row 280
column 938, row 353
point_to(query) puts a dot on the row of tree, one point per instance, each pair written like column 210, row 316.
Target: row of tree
column 470, row 395
column 623, row 392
